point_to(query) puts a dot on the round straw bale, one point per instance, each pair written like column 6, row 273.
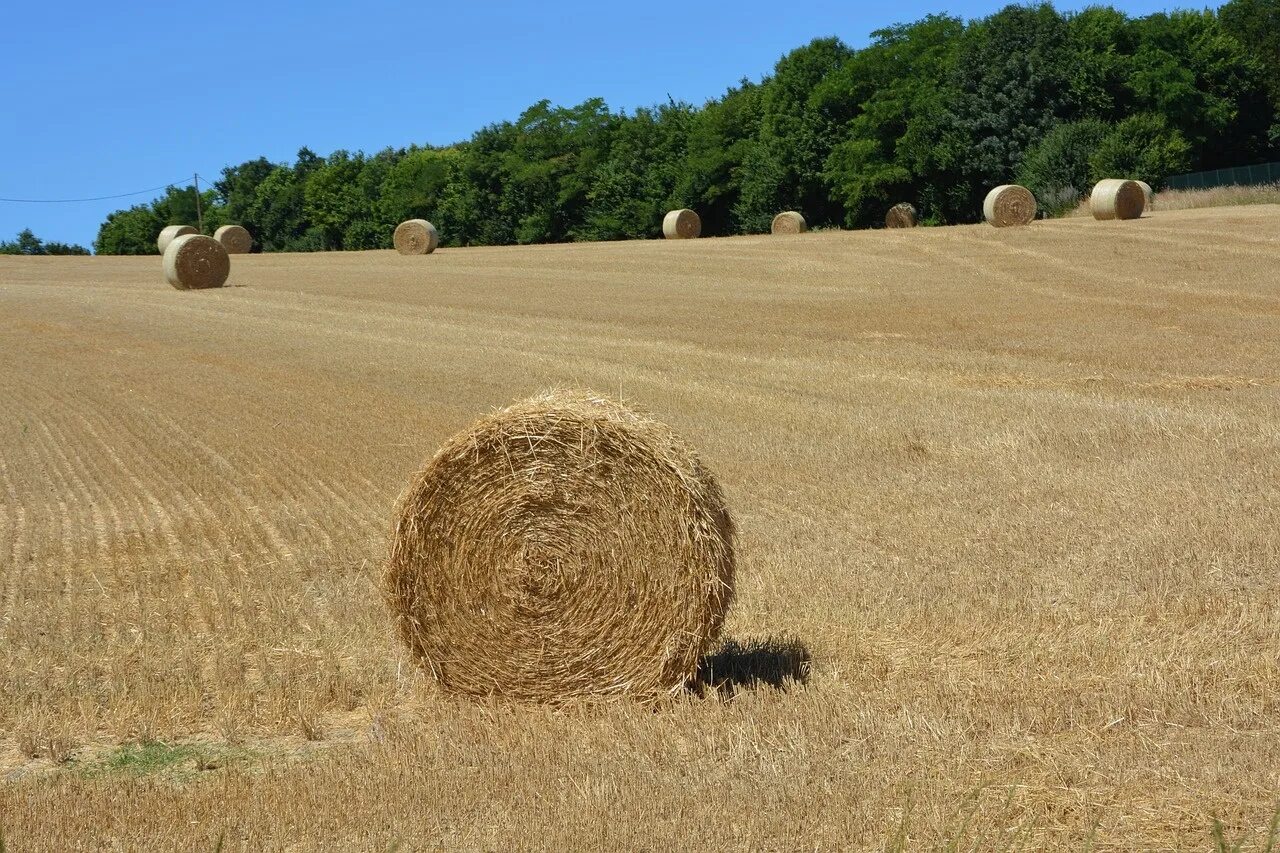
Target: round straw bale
column 1148, row 192
column 681, row 224
column 1114, row 198
column 788, row 222
column 566, row 546
column 234, row 238
column 902, row 215
column 1009, row 204
column 169, row 232
column 194, row 262
column 416, row 237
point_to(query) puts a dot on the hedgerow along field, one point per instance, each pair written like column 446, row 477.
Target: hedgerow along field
column 1008, row 540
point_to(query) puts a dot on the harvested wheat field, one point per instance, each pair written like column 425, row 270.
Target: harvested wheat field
column 1008, row 554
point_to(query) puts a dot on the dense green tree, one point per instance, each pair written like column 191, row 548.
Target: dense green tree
column 414, row 185
column 134, row 231
column 1190, row 70
column 800, row 122
column 1256, row 25
column 277, row 209
column 1142, row 147
column 27, row 243
column 893, row 80
column 765, row 186
column 1100, row 59
column 633, row 188
column 56, row 248
column 548, row 168
column 237, row 190
column 130, row 232
column 1010, row 85
column 473, row 197
column 179, row 206
column 934, row 112
column 720, row 135
column 332, row 197
column 370, row 227
column 1057, row 168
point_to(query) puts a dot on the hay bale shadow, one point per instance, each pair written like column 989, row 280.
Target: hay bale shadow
column 776, row 662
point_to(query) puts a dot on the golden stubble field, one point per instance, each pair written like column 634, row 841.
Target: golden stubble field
column 1014, row 493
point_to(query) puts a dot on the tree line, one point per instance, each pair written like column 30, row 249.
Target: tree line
column 934, row 112
column 27, row 243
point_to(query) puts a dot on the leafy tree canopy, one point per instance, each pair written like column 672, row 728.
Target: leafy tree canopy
column 27, row 243
column 934, row 112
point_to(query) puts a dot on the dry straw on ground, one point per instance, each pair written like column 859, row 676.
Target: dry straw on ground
column 196, row 262
column 564, row 547
column 234, row 238
column 416, row 237
column 1233, row 196
column 902, row 215
column 1009, row 204
column 918, row 436
column 681, row 224
column 170, row 233
column 1219, row 197
column 1114, row 198
column 788, row 222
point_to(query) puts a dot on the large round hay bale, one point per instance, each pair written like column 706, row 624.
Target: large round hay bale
column 901, row 215
column 564, row 547
column 681, row 224
column 1009, row 204
column 415, row 237
column 788, row 222
column 234, row 238
column 169, row 233
column 1148, row 192
column 194, row 262
column 1114, row 198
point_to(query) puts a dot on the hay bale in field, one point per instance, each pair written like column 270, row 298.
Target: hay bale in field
column 171, row 232
column 902, row 215
column 234, row 238
column 1114, row 198
column 194, row 262
column 566, row 546
column 1009, row 204
column 1147, row 191
column 681, row 224
column 415, row 237
column 788, row 222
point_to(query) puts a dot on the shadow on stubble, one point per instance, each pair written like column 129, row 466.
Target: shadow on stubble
column 775, row 662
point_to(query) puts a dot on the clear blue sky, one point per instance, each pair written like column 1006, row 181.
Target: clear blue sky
column 105, row 98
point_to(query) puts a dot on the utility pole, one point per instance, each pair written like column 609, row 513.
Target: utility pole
column 199, row 215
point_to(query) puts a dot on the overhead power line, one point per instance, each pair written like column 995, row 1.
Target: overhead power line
column 95, row 198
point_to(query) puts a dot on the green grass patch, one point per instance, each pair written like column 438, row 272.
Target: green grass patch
column 156, row 758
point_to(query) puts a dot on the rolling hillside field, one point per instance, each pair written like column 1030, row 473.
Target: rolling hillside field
column 1008, row 504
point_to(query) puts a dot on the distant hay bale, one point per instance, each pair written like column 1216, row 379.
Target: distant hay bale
column 902, row 215
column 788, row 222
column 1147, row 191
column 415, row 237
column 681, row 224
column 234, row 238
column 195, row 262
column 169, row 233
column 1114, row 198
column 566, row 546
column 1009, row 204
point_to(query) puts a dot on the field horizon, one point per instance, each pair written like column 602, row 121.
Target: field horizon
column 1007, row 553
